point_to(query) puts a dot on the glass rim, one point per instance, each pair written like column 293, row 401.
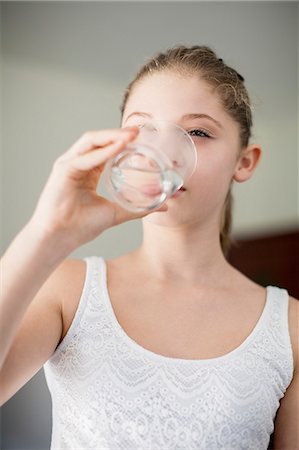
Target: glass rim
column 179, row 127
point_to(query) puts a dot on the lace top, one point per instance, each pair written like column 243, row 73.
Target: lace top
column 108, row 392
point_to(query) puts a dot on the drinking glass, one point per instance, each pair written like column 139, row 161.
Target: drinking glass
column 152, row 167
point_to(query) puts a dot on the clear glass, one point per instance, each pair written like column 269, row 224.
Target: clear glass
column 152, row 167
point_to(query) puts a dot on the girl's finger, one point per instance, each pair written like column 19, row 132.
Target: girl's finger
column 96, row 139
column 98, row 157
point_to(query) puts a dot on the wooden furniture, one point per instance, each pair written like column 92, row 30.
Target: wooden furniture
column 269, row 259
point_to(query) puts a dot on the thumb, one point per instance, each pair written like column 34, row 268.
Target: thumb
column 123, row 215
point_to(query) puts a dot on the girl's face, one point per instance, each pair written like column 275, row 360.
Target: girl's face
column 171, row 97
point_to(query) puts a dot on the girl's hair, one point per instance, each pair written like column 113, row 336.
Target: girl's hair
column 227, row 83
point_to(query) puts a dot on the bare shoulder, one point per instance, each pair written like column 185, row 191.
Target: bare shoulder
column 68, row 281
column 68, row 270
column 64, row 280
column 65, row 287
column 43, row 326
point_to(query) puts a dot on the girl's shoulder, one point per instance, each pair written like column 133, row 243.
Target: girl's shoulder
column 245, row 284
column 70, row 282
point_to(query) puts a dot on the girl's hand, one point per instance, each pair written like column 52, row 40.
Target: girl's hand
column 69, row 206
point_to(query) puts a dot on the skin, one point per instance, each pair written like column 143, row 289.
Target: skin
column 176, row 287
column 187, row 235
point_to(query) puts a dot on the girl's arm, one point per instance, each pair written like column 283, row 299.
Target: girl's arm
column 69, row 213
column 31, row 308
column 26, row 265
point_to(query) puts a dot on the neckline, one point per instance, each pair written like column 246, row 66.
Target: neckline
column 168, row 359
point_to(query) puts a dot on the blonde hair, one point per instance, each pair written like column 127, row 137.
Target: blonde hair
column 228, row 84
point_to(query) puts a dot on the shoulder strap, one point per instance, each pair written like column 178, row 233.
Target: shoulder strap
column 279, row 318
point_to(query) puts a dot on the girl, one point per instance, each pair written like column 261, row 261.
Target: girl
column 169, row 346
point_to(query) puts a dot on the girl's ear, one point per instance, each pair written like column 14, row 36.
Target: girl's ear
column 247, row 163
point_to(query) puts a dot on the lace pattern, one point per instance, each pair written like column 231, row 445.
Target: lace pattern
column 110, row 393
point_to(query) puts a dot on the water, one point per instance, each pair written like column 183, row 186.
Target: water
column 144, row 188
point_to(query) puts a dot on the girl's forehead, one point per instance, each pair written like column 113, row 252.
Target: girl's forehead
column 170, row 91
column 168, row 82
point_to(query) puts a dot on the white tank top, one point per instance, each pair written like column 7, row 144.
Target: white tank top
column 108, row 392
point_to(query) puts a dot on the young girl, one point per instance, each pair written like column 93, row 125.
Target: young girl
column 169, row 346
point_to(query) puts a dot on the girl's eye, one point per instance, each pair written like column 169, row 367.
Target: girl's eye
column 199, row 133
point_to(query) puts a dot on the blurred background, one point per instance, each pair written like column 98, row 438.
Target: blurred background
column 64, row 67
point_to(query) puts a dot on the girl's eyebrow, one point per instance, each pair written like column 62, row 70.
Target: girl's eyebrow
column 202, row 116
column 138, row 114
column 184, row 117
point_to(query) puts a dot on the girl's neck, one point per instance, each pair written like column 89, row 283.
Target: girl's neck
column 176, row 254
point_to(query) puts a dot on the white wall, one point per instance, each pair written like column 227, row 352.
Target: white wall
column 64, row 68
